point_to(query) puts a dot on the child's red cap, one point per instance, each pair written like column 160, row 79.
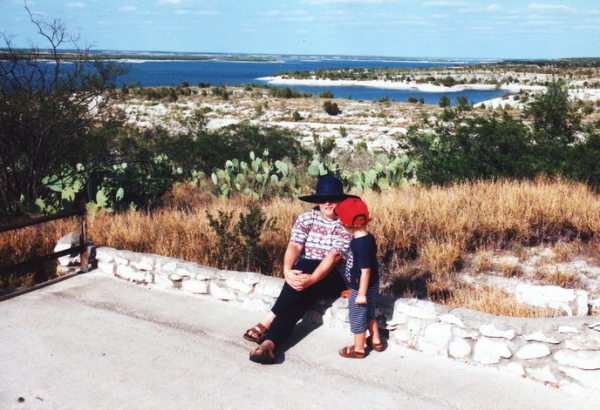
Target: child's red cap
column 352, row 212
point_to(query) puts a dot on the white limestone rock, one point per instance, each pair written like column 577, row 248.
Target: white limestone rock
column 107, row 267
column 533, row 351
column 581, row 359
column 587, row 341
column 241, row 287
column 396, row 321
column 491, row 331
column 540, row 337
column 459, row 348
column 467, row 333
column 513, row 368
column 453, row 320
column 586, row 378
column 163, row 282
column 543, row 374
column 435, row 340
column 490, row 351
column 567, row 300
column 221, row 291
column 68, row 241
column 419, row 309
column 168, row 267
column 257, row 304
column 403, row 336
column 581, row 303
column 105, row 255
column 568, row 329
column 195, row 286
column 269, row 286
column 131, row 274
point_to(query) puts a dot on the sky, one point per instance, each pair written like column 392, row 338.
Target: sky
column 495, row 29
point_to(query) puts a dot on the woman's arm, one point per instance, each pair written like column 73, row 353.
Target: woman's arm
column 292, row 277
column 322, row 270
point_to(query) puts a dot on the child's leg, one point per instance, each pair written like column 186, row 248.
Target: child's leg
column 374, row 331
column 358, row 322
column 359, row 341
column 372, row 293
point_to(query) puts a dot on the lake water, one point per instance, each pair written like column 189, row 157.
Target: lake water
column 214, row 72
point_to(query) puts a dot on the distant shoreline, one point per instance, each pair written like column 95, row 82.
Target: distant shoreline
column 392, row 85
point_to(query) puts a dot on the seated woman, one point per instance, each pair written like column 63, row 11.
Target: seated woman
column 312, row 267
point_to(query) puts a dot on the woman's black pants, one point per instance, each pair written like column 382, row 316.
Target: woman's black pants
column 291, row 305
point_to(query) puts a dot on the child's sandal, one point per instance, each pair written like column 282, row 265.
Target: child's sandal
column 349, row 353
column 378, row 347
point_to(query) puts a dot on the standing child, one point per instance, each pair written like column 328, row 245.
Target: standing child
column 362, row 276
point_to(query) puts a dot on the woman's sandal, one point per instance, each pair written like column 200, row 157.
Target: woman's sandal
column 378, row 347
column 256, row 334
column 350, row 353
column 261, row 356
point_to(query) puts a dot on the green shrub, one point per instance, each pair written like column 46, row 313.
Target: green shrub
column 331, row 108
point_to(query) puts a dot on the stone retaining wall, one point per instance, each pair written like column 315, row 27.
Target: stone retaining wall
column 563, row 352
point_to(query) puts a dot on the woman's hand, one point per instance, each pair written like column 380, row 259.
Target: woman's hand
column 298, row 280
column 291, row 276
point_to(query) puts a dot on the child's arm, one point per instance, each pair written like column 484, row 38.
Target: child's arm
column 361, row 298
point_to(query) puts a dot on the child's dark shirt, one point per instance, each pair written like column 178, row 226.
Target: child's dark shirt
column 362, row 255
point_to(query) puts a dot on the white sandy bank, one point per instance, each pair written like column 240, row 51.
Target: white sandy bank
column 393, row 85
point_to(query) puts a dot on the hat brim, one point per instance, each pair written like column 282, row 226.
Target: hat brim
column 319, row 199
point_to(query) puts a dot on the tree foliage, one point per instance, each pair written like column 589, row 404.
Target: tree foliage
column 472, row 148
column 212, row 149
column 49, row 102
column 554, row 118
column 548, row 139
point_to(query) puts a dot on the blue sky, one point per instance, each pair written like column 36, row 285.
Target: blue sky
column 395, row 28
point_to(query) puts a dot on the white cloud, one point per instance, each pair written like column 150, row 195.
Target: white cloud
column 169, row 2
column 196, row 13
column 76, row 5
column 128, row 8
column 547, row 7
column 539, row 23
column 326, row 2
column 493, row 7
column 445, row 4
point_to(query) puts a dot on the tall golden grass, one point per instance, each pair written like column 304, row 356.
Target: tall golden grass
column 428, row 237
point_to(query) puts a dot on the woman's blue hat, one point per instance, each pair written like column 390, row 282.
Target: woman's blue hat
column 329, row 189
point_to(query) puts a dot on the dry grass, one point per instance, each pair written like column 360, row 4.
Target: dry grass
column 28, row 243
column 425, row 235
column 557, row 276
column 498, row 302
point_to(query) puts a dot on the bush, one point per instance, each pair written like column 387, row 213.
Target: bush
column 331, row 108
column 473, row 148
column 444, row 101
column 326, row 94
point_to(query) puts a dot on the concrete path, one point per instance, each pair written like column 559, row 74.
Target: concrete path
column 97, row 342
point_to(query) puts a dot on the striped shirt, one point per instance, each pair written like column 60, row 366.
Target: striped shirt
column 319, row 235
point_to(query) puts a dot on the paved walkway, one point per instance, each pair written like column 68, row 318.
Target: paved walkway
column 96, row 342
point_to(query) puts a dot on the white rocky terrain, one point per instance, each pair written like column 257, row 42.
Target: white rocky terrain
column 378, row 124
column 381, row 125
